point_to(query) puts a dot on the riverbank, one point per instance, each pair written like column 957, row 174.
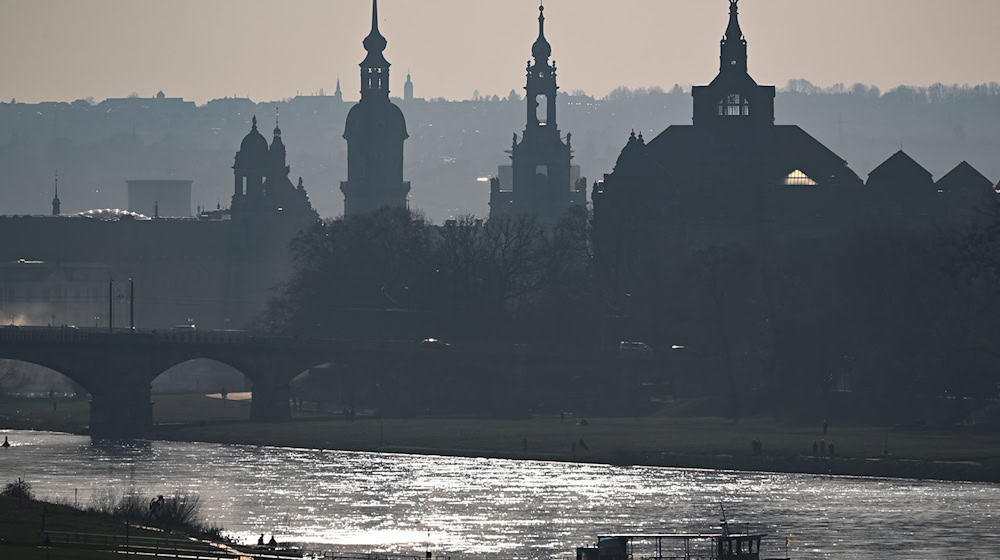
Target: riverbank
column 37, row 530
column 661, row 440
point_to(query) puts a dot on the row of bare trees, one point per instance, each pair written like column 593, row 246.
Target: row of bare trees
column 392, row 274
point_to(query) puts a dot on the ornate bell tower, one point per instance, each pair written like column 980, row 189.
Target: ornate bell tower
column 375, row 132
column 543, row 184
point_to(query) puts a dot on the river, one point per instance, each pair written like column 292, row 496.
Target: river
column 493, row 508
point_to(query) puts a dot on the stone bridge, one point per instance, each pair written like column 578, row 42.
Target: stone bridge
column 117, row 368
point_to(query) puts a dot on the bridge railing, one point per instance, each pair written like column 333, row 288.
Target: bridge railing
column 72, row 335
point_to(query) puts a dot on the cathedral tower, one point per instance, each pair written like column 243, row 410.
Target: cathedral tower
column 543, row 183
column 375, row 132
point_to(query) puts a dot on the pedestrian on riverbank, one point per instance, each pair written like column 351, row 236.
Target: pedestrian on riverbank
column 5, row 442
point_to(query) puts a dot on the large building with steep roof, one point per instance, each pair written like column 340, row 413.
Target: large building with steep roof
column 731, row 178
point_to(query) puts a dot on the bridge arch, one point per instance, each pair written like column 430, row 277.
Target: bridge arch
column 26, row 367
column 199, row 389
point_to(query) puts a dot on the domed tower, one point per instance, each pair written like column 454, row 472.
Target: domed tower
column 250, row 170
column 375, row 132
column 543, row 182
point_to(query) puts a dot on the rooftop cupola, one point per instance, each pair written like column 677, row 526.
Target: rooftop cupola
column 734, row 44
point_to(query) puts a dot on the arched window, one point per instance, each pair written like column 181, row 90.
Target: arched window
column 734, row 105
column 798, row 179
column 542, row 109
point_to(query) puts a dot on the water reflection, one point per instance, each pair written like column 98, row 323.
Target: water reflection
column 499, row 508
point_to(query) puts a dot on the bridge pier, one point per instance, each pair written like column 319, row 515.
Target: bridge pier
column 121, row 410
column 270, row 402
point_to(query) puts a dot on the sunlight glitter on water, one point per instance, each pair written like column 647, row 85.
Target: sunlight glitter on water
column 493, row 508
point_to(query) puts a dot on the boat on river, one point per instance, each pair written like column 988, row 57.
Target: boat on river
column 725, row 544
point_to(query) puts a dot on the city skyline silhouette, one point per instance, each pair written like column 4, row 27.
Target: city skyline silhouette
column 201, row 51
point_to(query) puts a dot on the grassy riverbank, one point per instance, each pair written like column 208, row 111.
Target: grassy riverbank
column 663, row 439
column 36, row 530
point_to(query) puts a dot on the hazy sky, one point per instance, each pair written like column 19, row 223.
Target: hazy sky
column 272, row 49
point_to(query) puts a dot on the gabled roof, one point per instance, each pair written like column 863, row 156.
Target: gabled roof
column 964, row 176
column 900, row 164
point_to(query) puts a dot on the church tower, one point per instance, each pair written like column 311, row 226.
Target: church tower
column 408, row 88
column 250, row 172
column 733, row 101
column 543, row 185
column 56, row 205
column 375, row 132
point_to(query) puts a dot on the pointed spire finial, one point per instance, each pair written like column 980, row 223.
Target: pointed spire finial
column 253, row 126
column 734, row 44
column 277, row 130
column 541, row 50
column 375, row 42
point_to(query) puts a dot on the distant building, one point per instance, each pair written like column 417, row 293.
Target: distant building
column 215, row 270
column 542, row 182
column 408, row 88
column 732, row 174
column 162, row 198
column 969, row 197
column 56, row 204
column 50, row 293
column 375, row 132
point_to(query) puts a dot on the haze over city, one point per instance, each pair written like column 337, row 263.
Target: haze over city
column 724, row 283
column 267, row 50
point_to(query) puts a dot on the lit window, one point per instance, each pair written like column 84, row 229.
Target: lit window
column 798, row 179
column 734, row 105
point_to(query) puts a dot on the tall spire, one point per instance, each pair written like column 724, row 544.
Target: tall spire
column 277, row 130
column 375, row 41
column 541, row 50
column 55, row 199
column 734, row 44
